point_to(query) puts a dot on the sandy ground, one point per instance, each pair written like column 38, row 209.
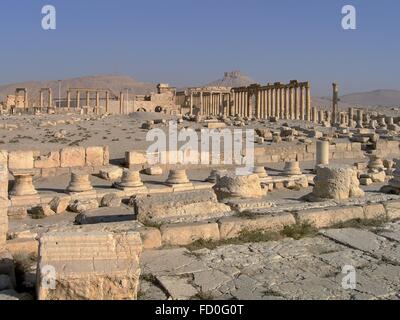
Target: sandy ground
column 120, row 133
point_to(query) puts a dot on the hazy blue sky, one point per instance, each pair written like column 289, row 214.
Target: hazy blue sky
column 193, row 42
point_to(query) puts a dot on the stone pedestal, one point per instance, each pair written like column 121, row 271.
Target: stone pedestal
column 212, row 178
column 130, row 181
column 261, row 172
column 375, row 162
column 80, row 182
column 322, row 156
column 23, row 185
column 177, row 178
column 292, row 168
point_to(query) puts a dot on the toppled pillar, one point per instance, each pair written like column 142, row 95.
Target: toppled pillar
column 95, row 265
column 338, row 182
column 3, row 197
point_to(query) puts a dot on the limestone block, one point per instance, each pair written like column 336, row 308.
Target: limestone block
column 232, row 227
column 80, row 206
column 96, row 265
column 42, row 210
column 231, row 185
column 322, row 218
column 60, row 204
column 187, row 206
column 186, row 233
column 135, row 158
column 24, row 246
column 151, row 238
column 374, row 211
column 111, row 173
column 393, row 209
column 50, row 160
column 110, row 200
column 73, row 157
column 94, row 156
column 20, row 160
column 337, row 182
column 154, row 171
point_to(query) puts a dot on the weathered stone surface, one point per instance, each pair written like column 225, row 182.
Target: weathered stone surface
column 80, row 206
column 110, row 200
column 393, row 209
column 104, row 215
column 50, row 160
column 183, row 234
column 42, row 210
column 337, row 182
column 20, row 160
column 135, row 158
column 232, row 186
column 322, row 218
column 73, row 157
column 179, row 207
column 151, row 238
column 232, row 227
column 94, row 156
column 59, row 204
column 90, row 265
column 111, row 173
column 154, row 171
column 178, row 288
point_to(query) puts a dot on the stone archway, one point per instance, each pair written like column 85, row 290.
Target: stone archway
column 141, row 110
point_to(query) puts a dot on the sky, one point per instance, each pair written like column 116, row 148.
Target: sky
column 193, row 42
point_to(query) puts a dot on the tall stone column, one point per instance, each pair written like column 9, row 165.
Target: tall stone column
column 335, row 102
column 296, row 102
column 107, row 99
column 121, row 103
column 308, row 102
column 301, row 102
column 315, row 115
column 78, row 99
column 351, row 118
column 26, row 99
column 3, row 197
column 287, row 103
column 68, row 100
column 278, row 102
column 201, row 104
column 291, row 103
column 97, row 99
column 359, row 116
column 270, row 103
column 41, row 98
column 50, row 101
column 191, row 103
column 87, row 98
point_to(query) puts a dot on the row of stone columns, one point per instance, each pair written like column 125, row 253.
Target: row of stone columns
column 210, row 103
column 88, row 97
column 49, row 97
